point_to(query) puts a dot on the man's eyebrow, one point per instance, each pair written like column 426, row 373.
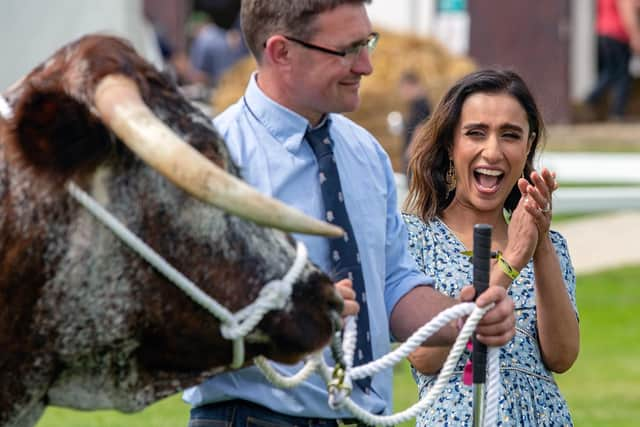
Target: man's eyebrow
column 361, row 41
column 358, row 42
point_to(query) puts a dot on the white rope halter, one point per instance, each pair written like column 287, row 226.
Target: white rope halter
column 273, row 296
column 233, row 326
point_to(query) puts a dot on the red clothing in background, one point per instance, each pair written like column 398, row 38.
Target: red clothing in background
column 608, row 21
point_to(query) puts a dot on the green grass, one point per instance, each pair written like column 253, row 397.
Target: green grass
column 602, row 388
column 170, row 412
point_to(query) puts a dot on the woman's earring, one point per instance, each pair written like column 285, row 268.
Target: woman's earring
column 451, row 177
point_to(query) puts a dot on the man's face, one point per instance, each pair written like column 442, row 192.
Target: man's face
column 322, row 82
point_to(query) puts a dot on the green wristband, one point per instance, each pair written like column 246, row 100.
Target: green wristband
column 506, row 267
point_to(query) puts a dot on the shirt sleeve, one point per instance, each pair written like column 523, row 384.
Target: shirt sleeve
column 402, row 274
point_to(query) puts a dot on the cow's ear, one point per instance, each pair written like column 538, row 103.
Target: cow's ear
column 56, row 132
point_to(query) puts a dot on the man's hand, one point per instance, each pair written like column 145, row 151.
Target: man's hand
column 345, row 288
column 498, row 325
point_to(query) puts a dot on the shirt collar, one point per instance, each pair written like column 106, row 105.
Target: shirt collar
column 326, row 119
column 285, row 125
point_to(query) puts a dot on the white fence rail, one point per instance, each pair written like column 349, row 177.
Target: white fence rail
column 593, row 168
column 619, row 171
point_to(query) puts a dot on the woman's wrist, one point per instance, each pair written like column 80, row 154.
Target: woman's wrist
column 544, row 245
column 510, row 271
column 516, row 259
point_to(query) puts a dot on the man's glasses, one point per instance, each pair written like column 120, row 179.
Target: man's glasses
column 351, row 52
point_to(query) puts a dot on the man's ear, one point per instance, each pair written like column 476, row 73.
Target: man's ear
column 276, row 50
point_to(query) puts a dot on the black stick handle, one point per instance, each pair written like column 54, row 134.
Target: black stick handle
column 481, row 265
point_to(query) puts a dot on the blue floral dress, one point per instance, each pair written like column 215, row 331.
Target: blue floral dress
column 530, row 395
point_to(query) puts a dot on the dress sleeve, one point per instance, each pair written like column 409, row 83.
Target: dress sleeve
column 416, row 236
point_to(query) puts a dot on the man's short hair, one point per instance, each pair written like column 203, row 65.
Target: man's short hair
column 261, row 19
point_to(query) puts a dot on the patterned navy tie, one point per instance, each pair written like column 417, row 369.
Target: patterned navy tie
column 344, row 254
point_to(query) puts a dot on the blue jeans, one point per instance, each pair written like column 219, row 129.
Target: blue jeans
column 240, row 413
column 614, row 57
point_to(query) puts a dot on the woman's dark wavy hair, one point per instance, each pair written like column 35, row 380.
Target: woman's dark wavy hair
column 433, row 141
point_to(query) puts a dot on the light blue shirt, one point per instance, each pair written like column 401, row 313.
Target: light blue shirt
column 267, row 141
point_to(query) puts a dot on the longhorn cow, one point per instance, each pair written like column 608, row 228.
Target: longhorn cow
column 85, row 322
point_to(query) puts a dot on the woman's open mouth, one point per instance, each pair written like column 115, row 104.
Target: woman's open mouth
column 488, row 180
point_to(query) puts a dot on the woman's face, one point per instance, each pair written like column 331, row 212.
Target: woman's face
column 490, row 147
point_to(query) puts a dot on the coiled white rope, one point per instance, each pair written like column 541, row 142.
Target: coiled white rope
column 273, row 296
column 396, row 356
column 311, row 365
column 494, row 387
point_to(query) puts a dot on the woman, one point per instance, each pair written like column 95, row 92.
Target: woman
column 468, row 166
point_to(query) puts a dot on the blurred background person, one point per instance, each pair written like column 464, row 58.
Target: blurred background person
column 618, row 30
column 217, row 41
column 412, row 92
column 176, row 61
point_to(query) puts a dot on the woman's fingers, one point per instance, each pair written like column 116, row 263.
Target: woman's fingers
column 522, row 186
column 550, row 179
column 544, row 184
column 541, row 202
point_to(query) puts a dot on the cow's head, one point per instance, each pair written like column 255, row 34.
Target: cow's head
column 85, row 322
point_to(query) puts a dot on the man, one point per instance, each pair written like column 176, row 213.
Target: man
column 414, row 95
column 215, row 49
column 311, row 56
column 618, row 29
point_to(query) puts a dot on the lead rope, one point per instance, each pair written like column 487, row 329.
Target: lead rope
column 341, row 397
column 276, row 293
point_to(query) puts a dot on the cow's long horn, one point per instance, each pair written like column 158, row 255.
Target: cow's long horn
column 121, row 107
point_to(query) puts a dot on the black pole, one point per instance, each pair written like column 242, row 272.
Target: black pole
column 481, row 266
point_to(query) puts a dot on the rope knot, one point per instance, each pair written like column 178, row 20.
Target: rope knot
column 276, row 293
column 228, row 329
